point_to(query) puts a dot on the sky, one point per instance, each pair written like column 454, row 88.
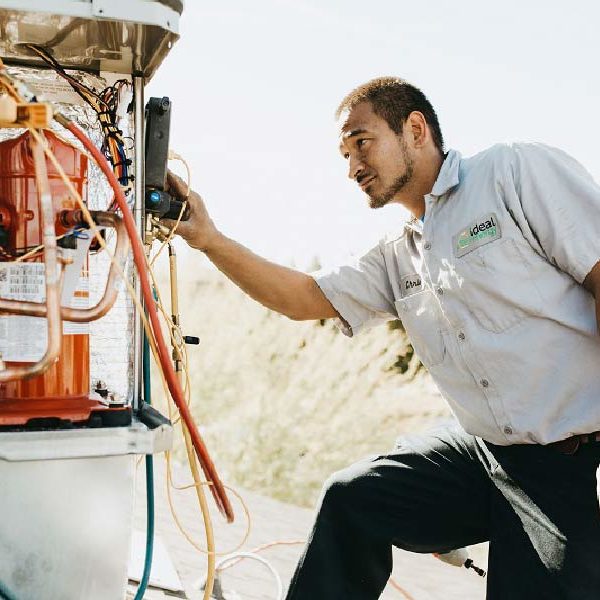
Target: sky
column 254, row 87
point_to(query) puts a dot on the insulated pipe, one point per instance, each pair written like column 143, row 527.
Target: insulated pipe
column 85, row 315
column 208, row 467
column 53, row 275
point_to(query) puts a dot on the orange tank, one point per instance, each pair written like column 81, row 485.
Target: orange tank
column 62, row 393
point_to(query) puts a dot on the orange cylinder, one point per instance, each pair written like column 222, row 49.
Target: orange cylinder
column 20, row 231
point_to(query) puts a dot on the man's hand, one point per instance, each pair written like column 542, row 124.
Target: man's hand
column 199, row 230
column 289, row 292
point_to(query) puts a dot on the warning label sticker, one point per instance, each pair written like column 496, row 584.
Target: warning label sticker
column 23, row 281
column 23, row 339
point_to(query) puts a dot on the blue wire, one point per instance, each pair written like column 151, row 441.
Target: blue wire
column 149, row 483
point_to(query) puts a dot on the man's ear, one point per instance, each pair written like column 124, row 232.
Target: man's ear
column 418, row 127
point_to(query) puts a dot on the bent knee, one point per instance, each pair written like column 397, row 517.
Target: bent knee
column 346, row 486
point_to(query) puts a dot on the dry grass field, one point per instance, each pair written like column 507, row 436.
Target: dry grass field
column 283, row 404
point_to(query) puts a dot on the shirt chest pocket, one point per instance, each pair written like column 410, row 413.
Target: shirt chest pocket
column 421, row 316
column 499, row 287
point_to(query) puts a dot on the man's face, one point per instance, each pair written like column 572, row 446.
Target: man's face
column 378, row 158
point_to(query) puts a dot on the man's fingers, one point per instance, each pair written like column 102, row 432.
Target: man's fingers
column 176, row 185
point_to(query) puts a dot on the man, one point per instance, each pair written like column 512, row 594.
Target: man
column 494, row 280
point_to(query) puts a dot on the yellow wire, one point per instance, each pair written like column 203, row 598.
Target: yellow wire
column 171, row 234
column 37, row 249
column 180, row 525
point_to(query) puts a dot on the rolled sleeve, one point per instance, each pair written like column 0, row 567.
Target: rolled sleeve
column 360, row 292
column 561, row 203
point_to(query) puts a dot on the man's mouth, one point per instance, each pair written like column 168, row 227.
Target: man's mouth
column 366, row 181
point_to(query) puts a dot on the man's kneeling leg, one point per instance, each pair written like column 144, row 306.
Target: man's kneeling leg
column 430, row 494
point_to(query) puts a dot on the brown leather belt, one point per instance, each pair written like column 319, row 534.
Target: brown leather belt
column 571, row 444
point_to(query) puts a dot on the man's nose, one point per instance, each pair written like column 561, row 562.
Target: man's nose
column 355, row 166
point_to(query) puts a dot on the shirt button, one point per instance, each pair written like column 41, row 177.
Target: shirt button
column 440, row 291
column 508, row 430
column 461, row 336
column 427, row 245
column 484, row 383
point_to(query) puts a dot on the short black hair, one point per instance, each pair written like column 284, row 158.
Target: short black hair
column 393, row 99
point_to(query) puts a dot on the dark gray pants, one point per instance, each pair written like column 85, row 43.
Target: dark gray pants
column 433, row 493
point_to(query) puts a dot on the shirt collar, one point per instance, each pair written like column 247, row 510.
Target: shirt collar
column 448, row 177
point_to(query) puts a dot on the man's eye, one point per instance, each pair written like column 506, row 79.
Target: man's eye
column 360, row 143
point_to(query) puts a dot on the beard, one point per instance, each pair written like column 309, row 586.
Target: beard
column 380, row 200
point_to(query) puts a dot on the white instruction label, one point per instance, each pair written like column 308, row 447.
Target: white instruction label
column 23, row 281
column 23, row 339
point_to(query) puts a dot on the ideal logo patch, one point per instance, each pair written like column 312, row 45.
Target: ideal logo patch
column 411, row 284
column 481, row 232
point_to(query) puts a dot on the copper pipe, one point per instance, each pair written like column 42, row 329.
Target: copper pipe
column 53, row 274
column 83, row 315
column 78, row 315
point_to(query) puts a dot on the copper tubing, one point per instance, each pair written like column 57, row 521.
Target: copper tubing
column 52, row 305
column 83, row 315
column 78, row 315
column 217, row 489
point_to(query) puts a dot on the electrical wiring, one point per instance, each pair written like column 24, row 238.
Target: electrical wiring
column 169, row 236
column 260, row 559
column 34, row 252
column 174, row 156
column 208, row 467
column 178, row 522
column 235, row 558
column 178, row 356
column 208, row 528
column 106, row 106
column 264, row 547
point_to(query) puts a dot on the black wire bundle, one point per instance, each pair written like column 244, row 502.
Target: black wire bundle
column 105, row 105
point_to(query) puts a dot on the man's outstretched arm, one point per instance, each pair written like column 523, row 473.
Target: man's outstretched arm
column 287, row 291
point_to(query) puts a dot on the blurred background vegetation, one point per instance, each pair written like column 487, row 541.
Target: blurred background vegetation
column 283, row 404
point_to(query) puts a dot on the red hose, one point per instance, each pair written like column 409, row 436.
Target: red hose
column 217, row 489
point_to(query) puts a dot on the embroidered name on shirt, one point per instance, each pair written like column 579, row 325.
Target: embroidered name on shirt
column 411, row 284
column 481, row 232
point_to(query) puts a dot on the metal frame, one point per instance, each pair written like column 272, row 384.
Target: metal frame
column 118, row 36
column 147, row 12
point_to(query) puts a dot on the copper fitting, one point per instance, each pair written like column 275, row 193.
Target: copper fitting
column 83, row 315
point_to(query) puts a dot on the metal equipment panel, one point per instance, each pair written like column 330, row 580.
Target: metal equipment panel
column 68, row 537
column 92, row 35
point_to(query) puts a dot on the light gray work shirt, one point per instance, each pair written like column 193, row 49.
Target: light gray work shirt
column 489, row 292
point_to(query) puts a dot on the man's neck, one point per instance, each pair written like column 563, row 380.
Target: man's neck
column 425, row 176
